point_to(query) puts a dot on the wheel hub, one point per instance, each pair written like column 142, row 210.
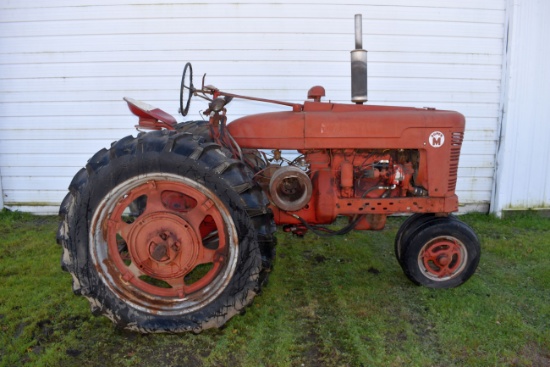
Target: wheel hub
column 442, row 258
column 163, row 245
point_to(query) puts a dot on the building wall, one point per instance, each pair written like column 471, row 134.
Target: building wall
column 66, row 64
column 1, row 193
column 522, row 180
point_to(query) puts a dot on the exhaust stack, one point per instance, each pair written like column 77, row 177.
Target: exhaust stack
column 359, row 93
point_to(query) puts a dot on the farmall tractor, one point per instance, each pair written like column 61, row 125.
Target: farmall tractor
column 173, row 230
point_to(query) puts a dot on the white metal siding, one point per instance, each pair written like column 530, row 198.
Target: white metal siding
column 1, row 192
column 523, row 175
column 66, row 64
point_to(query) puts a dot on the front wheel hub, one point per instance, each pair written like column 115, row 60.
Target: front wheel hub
column 442, row 258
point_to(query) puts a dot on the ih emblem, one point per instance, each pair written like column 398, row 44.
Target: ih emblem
column 437, row 139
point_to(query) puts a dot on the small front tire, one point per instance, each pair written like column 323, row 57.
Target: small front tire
column 444, row 253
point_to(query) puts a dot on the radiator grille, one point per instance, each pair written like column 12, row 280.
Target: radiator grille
column 456, row 144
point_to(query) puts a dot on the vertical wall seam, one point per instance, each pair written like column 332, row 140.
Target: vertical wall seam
column 1, row 192
column 495, row 205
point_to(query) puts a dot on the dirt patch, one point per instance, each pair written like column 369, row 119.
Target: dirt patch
column 536, row 356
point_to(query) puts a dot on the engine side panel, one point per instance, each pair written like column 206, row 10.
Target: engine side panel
column 274, row 130
column 334, row 126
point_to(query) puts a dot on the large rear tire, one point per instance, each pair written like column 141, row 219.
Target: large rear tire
column 159, row 235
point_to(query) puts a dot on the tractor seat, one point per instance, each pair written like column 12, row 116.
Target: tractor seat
column 150, row 117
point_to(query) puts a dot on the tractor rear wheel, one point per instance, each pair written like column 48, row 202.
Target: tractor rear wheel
column 440, row 253
column 158, row 233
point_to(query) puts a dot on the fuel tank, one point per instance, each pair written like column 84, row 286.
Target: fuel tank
column 321, row 125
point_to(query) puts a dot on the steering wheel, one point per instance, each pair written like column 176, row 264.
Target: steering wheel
column 186, row 89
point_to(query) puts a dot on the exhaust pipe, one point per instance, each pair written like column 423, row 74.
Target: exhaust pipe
column 359, row 93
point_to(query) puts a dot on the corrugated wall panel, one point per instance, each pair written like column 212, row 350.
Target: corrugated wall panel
column 523, row 174
column 66, row 64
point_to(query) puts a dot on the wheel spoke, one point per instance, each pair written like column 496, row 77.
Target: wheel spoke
column 208, row 256
column 154, row 199
column 123, row 229
column 454, row 249
column 130, row 273
column 116, row 230
column 431, row 253
column 445, row 271
column 132, row 268
column 175, row 282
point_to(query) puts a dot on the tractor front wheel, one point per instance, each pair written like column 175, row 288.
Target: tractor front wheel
column 440, row 253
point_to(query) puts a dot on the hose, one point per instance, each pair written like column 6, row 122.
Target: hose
column 327, row 232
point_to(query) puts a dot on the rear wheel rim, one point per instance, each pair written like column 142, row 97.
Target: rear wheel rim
column 175, row 255
column 442, row 258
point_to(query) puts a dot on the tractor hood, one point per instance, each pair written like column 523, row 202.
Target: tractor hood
column 340, row 126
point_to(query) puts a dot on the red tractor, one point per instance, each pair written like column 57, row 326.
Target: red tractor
column 173, row 230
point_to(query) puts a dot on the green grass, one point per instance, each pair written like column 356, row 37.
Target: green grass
column 330, row 302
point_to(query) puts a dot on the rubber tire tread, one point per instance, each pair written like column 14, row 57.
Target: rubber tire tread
column 405, row 226
column 160, row 151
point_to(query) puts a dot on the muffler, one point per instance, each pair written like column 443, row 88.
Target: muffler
column 359, row 92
